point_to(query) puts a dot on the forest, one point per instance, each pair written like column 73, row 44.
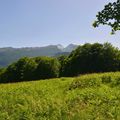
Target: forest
column 87, row 58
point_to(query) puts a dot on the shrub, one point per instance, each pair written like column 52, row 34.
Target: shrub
column 82, row 82
column 47, row 67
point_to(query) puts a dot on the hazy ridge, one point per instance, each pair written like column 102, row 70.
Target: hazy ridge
column 9, row 54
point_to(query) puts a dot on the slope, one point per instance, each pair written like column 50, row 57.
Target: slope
column 88, row 97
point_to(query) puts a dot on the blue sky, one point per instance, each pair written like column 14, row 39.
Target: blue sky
column 25, row 23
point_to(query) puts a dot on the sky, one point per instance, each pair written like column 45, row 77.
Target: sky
column 34, row 23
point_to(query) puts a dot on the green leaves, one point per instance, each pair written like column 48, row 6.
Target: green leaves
column 110, row 16
column 26, row 69
column 47, row 67
column 92, row 58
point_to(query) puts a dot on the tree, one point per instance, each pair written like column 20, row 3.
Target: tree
column 61, row 60
column 110, row 16
column 22, row 70
column 92, row 58
column 47, row 67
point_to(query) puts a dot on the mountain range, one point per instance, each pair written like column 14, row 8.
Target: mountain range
column 9, row 54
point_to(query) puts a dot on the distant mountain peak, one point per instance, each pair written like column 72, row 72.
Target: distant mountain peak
column 70, row 47
column 9, row 54
column 59, row 46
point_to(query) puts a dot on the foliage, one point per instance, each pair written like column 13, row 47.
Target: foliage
column 1, row 70
column 91, row 58
column 26, row 69
column 58, row 99
column 110, row 15
column 62, row 59
column 88, row 58
column 21, row 70
column 47, row 67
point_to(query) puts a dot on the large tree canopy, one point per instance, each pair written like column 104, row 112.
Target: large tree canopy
column 110, row 16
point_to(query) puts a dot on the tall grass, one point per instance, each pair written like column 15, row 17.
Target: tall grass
column 88, row 97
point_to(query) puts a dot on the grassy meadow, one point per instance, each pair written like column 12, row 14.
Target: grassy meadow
column 87, row 97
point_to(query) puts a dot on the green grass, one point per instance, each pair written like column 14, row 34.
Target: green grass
column 88, row 97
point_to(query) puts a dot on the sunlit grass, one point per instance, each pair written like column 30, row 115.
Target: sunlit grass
column 88, row 97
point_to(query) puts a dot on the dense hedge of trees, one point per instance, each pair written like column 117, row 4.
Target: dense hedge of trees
column 88, row 58
column 91, row 58
column 26, row 69
column 47, row 67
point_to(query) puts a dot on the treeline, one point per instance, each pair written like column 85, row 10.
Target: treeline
column 26, row 69
column 87, row 58
column 91, row 58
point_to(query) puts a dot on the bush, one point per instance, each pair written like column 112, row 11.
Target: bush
column 47, row 67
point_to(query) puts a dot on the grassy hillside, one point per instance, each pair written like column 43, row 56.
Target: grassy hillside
column 88, row 97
